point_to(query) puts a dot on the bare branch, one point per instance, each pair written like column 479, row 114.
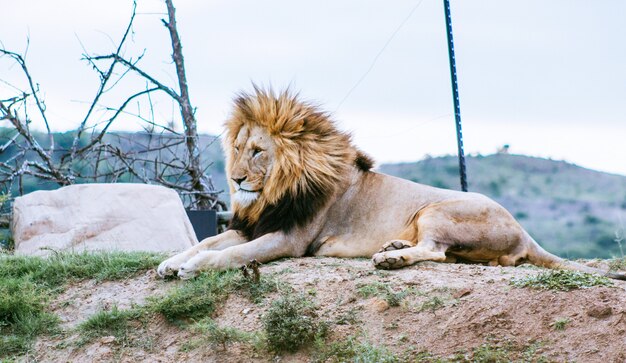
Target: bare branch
column 168, row 157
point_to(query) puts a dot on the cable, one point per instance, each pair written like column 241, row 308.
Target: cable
column 380, row 52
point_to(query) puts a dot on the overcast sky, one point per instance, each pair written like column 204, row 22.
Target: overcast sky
column 546, row 77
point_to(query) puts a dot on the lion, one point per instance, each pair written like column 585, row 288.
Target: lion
column 299, row 187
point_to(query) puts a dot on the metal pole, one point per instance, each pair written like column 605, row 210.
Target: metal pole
column 455, row 96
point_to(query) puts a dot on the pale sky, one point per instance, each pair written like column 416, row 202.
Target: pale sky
column 546, row 77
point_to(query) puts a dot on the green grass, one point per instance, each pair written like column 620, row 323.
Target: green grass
column 114, row 322
column 28, row 283
column 195, row 299
column 617, row 264
column 59, row 268
column 290, row 322
column 383, row 291
column 562, row 280
column 198, row 298
column 354, row 349
column 560, row 323
column 432, row 304
column 217, row 336
column 489, row 352
column 22, row 315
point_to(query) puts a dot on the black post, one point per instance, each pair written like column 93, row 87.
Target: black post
column 455, row 96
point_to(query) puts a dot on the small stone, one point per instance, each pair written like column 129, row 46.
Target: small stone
column 107, row 340
column 246, row 311
column 600, row 311
column 463, row 292
column 379, row 305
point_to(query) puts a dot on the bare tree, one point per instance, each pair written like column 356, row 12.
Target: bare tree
column 160, row 155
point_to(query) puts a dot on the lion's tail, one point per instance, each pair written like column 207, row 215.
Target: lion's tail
column 540, row 257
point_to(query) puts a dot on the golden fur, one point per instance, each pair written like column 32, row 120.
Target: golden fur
column 300, row 187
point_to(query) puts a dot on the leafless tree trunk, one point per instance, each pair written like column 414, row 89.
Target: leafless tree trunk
column 198, row 182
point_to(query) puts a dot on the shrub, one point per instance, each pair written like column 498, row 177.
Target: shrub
column 290, row 322
column 560, row 323
column 218, row 336
column 195, row 299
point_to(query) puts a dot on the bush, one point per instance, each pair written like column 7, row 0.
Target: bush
column 218, row 336
column 290, row 322
column 195, row 299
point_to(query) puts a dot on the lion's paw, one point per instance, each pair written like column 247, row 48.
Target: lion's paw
column 205, row 260
column 187, row 271
column 394, row 245
column 170, row 266
column 386, row 262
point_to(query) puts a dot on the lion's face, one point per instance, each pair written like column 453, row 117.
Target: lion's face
column 252, row 156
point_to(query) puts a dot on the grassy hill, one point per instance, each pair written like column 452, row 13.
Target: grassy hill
column 110, row 307
column 572, row 211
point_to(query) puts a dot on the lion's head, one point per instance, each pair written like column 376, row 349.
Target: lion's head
column 285, row 158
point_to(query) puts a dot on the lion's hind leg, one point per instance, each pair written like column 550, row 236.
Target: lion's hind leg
column 399, row 253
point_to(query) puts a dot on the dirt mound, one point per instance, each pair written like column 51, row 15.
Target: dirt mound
column 452, row 311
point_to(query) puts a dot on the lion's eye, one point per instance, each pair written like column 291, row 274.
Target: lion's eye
column 256, row 151
column 236, row 150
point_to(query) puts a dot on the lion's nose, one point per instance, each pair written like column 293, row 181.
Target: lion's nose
column 239, row 180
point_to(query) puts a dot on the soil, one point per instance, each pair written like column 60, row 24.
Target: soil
column 449, row 308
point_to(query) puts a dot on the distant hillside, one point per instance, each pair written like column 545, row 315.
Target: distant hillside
column 572, row 211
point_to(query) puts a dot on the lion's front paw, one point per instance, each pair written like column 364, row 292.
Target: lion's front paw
column 205, row 260
column 186, row 272
column 170, row 266
column 385, row 261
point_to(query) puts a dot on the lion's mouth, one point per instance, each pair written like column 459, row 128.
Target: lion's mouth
column 245, row 197
column 248, row 191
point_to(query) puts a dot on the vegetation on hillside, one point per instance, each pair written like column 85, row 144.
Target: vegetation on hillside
column 297, row 319
column 28, row 284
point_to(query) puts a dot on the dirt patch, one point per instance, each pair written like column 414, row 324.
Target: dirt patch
column 442, row 309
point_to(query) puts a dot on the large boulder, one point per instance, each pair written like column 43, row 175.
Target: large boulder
column 95, row 217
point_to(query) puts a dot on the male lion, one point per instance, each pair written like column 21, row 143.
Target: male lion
column 300, row 188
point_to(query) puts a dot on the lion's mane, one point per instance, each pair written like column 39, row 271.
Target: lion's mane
column 311, row 158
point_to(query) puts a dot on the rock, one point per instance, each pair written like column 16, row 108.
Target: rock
column 91, row 217
column 107, row 340
column 379, row 305
column 463, row 292
column 599, row 311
